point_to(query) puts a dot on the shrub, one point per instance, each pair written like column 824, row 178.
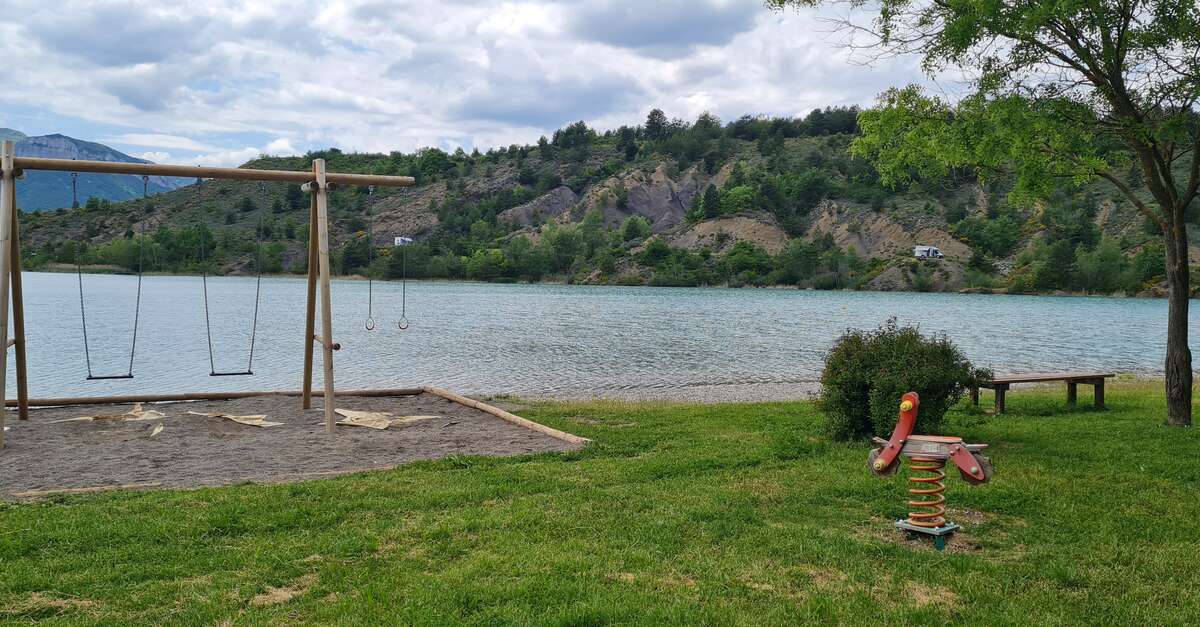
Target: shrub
column 866, row 372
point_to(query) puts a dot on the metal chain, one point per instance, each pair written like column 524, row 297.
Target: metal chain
column 402, row 323
column 137, row 304
column 262, row 189
column 212, row 367
column 370, row 323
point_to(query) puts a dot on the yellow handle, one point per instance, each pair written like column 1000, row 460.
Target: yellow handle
column 906, row 405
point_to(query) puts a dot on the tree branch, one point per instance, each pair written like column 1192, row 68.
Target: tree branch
column 1137, row 202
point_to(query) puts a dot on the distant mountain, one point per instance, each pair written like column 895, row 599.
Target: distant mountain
column 52, row 190
column 755, row 201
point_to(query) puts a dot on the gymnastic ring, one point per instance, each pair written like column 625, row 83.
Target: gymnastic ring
column 370, row 324
column 402, row 323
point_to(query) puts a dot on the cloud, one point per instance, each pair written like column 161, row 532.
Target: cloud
column 280, row 146
column 116, row 33
column 664, row 28
column 223, row 80
column 158, row 141
column 156, row 156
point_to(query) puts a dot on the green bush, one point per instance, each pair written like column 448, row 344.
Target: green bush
column 866, row 372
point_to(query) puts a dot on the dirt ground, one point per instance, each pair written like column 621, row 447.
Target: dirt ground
column 193, row 450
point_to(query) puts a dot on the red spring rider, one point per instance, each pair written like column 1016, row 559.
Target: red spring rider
column 928, row 454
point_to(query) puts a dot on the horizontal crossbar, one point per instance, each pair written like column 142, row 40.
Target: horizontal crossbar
column 187, row 171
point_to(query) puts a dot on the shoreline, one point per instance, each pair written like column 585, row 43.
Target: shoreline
column 721, row 393
column 107, row 270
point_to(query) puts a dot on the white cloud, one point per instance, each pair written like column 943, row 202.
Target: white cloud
column 226, row 158
column 281, row 146
column 225, row 80
column 154, row 140
column 155, row 156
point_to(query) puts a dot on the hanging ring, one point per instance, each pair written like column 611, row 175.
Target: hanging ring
column 402, row 323
column 370, row 324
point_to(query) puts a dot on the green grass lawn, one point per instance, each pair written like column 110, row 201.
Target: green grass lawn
column 719, row 514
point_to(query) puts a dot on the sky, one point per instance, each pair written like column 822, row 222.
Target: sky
column 219, row 83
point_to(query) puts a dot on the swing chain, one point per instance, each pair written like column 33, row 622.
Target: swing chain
column 137, row 304
column 402, row 323
column 370, row 323
column 204, row 286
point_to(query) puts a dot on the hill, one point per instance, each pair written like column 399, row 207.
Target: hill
column 756, row 201
column 51, row 190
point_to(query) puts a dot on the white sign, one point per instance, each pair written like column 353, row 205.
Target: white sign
column 403, row 241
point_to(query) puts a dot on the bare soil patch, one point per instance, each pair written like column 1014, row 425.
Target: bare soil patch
column 191, row 450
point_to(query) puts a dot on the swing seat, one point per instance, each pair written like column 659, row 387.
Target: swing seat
column 100, row 377
column 231, row 374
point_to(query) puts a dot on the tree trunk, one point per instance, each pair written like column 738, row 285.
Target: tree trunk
column 1179, row 356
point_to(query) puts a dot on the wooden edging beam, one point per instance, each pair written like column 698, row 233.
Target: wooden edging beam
column 199, row 396
column 223, row 396
column 187, row 171
column 500, row 413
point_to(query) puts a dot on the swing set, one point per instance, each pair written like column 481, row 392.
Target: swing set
column 317, row 183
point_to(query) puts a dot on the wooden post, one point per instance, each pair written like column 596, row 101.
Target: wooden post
column 310, row 316
column 322, row 196
column 1098, row 390
column 7, row 182
column 18, row 310
column 975, row 395
column 1001, row 389
column 1072, row 392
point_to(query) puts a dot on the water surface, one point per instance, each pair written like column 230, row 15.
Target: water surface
column 545, row 339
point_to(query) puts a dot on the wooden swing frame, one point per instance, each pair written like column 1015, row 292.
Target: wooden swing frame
column 317, row 183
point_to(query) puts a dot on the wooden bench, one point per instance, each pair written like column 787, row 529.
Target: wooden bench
column 1073, row 379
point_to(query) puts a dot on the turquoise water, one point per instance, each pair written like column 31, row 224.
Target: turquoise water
column 546, row 339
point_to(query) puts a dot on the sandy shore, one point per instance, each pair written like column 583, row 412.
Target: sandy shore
column 181, row 449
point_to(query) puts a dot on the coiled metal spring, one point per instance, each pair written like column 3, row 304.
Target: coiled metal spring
column 930, row 488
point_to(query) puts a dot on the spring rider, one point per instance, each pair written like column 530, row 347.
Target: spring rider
column 928, row 454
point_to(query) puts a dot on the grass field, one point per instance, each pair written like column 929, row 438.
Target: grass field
column 720, row 514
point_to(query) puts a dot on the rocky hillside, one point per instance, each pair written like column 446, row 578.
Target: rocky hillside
column 755, row 201
column 51, row 190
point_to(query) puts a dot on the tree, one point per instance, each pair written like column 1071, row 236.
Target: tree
column 1060, row 91
column 656, row 124
column 712, row 201
column 293, row 197
column 635, row 228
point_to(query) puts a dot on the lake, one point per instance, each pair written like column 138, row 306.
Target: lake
column 548, row 340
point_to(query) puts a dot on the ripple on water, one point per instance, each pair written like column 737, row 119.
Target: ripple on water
column 550, row 340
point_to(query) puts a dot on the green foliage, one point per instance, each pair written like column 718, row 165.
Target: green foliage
column 635, row 228
column 866, row 373
column 995, row 236
column 738, row 199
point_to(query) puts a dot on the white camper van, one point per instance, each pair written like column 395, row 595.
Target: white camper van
column 927, row 252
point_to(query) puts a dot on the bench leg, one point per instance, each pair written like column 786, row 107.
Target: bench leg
column 1000, row 390
column 975, row 396
column 1098, row 389
column 1072, row 392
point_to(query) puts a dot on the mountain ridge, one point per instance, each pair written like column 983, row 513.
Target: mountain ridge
column 41, row 190
column 752, row 202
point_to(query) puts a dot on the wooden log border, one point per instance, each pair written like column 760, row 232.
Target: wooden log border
column 500, row 413
column 224, row 396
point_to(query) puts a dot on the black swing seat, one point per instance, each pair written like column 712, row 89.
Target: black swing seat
column 99, row 377
column 231, row 374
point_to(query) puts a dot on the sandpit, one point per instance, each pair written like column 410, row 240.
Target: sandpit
column 183, row 449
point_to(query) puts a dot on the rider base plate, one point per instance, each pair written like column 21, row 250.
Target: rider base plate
column 939, row 534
